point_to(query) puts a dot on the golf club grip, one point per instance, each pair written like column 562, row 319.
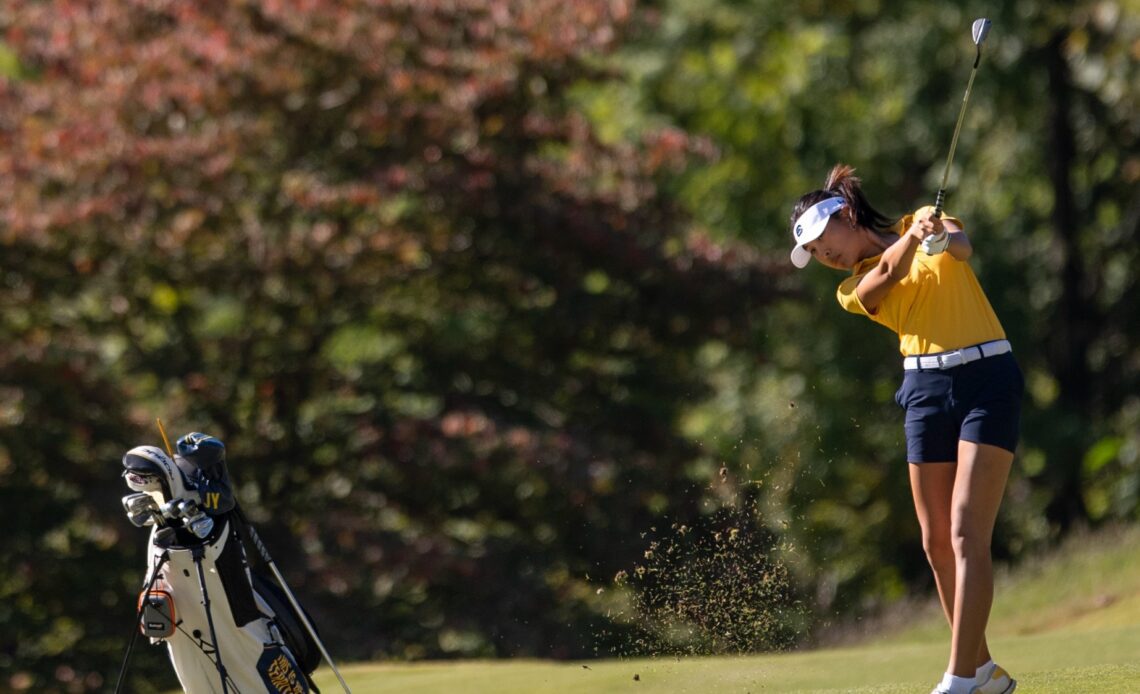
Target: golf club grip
column 938, row 202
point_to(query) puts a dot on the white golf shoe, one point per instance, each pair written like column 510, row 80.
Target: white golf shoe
column 944, row 688
column 999, row 682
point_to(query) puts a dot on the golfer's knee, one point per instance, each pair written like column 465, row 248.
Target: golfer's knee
column 969, row 542
column 939, row 550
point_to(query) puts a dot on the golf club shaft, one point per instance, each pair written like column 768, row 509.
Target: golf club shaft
column 941, row 198
column 979, row 30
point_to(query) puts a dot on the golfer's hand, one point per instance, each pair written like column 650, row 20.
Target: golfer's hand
column 925, row 225
column 937, row 243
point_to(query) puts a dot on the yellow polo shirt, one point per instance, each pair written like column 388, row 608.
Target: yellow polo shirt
column 937, row 307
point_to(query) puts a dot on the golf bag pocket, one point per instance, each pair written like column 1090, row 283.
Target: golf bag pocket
column 280, row 673
column 289, row 625
column 157, row 618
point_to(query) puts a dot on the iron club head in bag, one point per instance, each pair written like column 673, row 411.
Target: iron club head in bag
column 151, row 473
column 142, row 510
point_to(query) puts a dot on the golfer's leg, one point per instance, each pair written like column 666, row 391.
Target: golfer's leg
column 978, row 489
column 932, row 486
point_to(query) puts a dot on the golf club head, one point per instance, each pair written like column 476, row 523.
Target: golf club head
column 141, row 520
column 139, row 502
column 164, row 537
column 141, row 509
column 980, row 30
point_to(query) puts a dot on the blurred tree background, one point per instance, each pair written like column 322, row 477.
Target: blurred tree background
column 485, row 296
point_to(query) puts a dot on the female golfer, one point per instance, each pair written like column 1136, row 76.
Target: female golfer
column 961, row 391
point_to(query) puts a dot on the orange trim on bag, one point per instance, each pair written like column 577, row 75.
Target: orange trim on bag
column 160, row 601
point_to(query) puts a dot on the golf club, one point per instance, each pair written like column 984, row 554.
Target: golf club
column 142, row 509
column 980, row 29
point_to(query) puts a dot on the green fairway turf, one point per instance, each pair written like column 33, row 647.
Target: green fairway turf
column 1053, row 663
column 1068, row 623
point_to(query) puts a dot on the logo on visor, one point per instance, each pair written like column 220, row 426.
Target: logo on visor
column 799, row 230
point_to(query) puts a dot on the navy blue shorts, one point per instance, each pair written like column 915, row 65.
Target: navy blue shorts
column 979, row 401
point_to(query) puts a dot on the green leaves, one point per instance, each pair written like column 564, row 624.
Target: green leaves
column 9, row 62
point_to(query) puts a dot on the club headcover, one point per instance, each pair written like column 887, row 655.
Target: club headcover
column 202, row 458
column 149, row 469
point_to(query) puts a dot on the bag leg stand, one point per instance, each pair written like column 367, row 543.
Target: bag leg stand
column 138, row 618
column 198, row 552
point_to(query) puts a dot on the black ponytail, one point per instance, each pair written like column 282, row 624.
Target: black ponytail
column 843, row 182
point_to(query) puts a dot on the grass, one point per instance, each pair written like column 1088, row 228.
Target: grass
column 1092, row 583
column 1047, row 665
column 1066, row 623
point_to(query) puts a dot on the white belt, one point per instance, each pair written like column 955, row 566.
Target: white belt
column 957, row 357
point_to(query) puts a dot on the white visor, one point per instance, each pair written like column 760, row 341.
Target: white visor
column 810, row 226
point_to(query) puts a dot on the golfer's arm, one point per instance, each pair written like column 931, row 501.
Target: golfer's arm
column 893, row 266
column 960, row 247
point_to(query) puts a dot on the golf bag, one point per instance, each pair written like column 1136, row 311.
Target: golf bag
column 227, row 629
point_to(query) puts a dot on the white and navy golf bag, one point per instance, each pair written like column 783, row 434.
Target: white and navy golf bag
column 228, row 629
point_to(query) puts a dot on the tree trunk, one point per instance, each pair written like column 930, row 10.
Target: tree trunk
column 1071, row 328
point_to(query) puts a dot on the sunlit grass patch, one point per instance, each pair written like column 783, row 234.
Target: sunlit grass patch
column 1069, row 622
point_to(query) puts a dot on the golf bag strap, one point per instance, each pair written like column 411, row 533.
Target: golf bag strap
column 231, row 566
